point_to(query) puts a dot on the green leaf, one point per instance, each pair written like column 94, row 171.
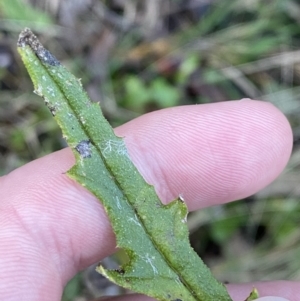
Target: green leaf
column 253, row 295
column 155, row 236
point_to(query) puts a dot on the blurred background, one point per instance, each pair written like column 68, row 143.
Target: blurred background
column 139, row 56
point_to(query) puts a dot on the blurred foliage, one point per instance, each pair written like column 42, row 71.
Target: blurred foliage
column 159, row 93
column 140, row 56
column 16, row 10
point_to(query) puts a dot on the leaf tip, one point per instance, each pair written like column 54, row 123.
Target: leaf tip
column 27, row 38
column 253, row 295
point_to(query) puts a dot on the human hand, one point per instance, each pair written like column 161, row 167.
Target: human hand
column 51, row 227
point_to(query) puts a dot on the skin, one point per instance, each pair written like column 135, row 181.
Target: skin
column 51, row 227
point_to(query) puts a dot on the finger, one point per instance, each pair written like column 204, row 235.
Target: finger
column 210, row 154
column 69, row 225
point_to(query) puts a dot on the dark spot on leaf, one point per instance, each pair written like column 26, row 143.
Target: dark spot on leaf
column 84, row 148
column 47, row 57
column 52, row 110
column 120, row 271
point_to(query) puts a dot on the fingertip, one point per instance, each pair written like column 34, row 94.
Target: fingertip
column 267, row 147
column 279, row 124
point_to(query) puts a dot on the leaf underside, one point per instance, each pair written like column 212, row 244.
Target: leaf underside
column 161, row 263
